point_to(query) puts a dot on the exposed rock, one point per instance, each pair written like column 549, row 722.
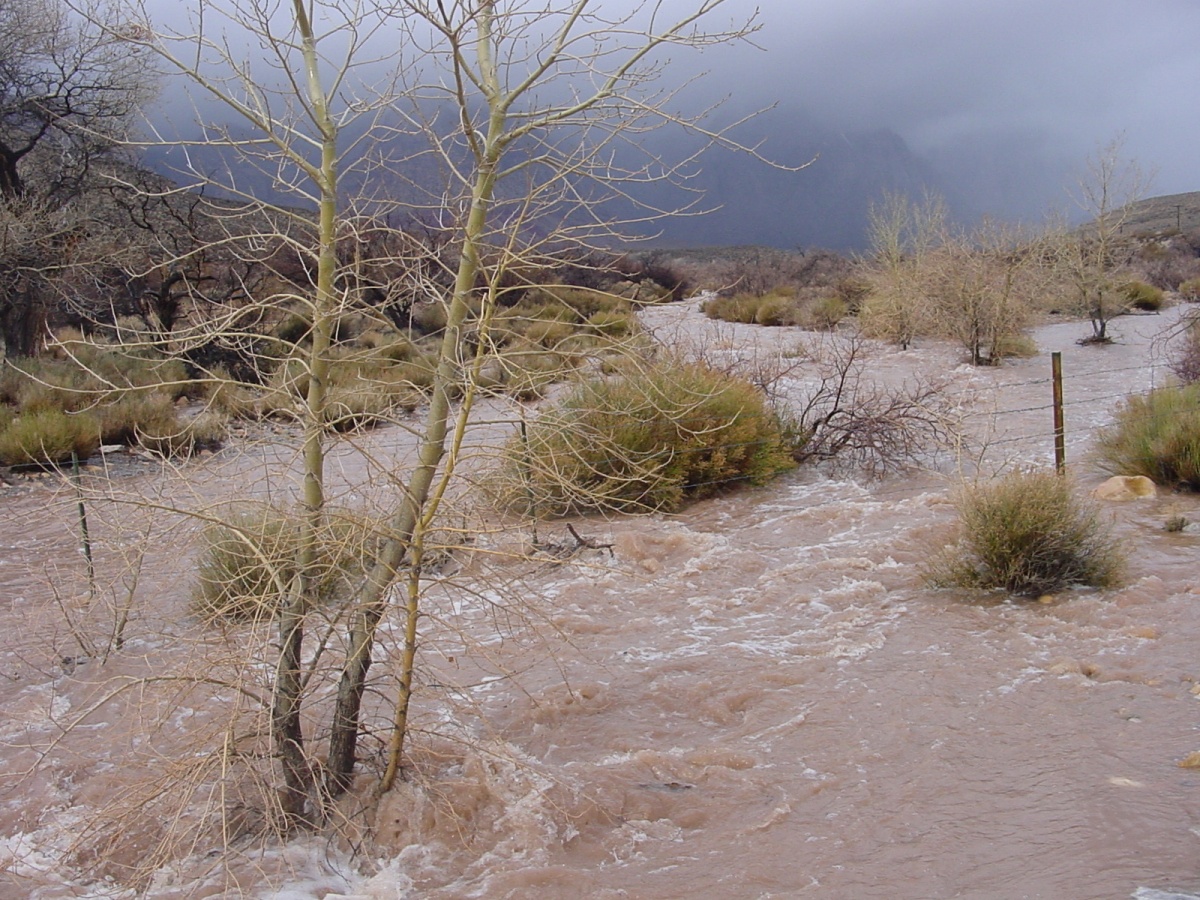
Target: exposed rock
column 1126, row 487
column 1066, row 667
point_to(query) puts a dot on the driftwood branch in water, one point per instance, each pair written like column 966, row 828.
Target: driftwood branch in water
column 565, row 550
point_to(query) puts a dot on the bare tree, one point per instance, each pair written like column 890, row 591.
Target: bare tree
column 70, row 91
column 1095, row 258
column 904, row 233
column 502, row 128
column 983, row 285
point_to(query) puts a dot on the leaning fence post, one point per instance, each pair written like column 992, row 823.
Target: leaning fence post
column 1060, row 444
column 85, row 538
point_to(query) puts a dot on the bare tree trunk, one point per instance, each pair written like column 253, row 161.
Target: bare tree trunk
column 372, row 600
column 286, row 726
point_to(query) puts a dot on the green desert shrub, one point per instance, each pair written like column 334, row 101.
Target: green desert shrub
column 351, row 406
column 612, row 323
column 823, row 314
column 121, row 420
column 364, row 386
column 549, row 332
column 1156, row 435
column 582, row 303
column 1190, row 290
column 646, row 440
column 248, row 563
column 1029, row 534
column 525, row 370
column 48, row 437
column 740, row 308
column 184, row 438
column 1145, row 297
column 553, row 315
column 775, row 310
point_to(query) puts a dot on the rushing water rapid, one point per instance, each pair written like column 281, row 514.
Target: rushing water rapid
column 757, row 697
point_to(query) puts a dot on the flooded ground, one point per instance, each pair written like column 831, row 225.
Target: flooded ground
column 757, row 697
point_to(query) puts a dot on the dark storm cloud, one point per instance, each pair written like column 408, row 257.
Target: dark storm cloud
column 1030, row 86
column 996, row 103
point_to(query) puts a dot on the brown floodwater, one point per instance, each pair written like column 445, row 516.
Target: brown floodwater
column 757, row 697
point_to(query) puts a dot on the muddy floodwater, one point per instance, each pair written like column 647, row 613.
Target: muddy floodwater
column 757, row 697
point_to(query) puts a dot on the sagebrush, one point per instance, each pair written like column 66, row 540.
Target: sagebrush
column 1028, row 533
column 667, row 432
column 1156, row 435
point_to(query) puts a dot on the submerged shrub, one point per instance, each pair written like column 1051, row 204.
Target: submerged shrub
column 247, row 565
column 1189, row 290
column 647, row 440
column 824, row 314
column 1185, row 351
column 203, row 432
column 774, row 310
column 1028, row 534
column 741, row 308
column 121, row 422
column 1156, row 435
column 1013, row 346
column 1145, row 297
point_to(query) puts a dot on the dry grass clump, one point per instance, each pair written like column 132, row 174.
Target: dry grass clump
column 122, row 420
column 648, row 440
column 178, row 438
column 1189, row 290
column 366, row 386
column 48, row 437
column 823, row 313
column 1143, row 296
column 1028, row 534
column 87, row 394
column 1185, row 352
column 248, row 563
column 91, row 377
column 136, row 419
column 751, row 309
column 551, row 316
column 1156, row 435
column 817, row 310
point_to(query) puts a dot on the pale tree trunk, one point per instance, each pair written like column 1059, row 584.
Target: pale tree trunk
column 287, row 730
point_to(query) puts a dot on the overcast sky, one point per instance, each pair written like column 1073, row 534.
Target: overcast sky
column 1005, row 98
column 1032, row 85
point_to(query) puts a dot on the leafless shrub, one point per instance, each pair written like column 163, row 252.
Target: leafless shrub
column 832, row 413
column 866, row 426
column 1184, row 342
column 1167, row 264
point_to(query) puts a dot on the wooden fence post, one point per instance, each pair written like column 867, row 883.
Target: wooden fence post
column 1060, row 445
